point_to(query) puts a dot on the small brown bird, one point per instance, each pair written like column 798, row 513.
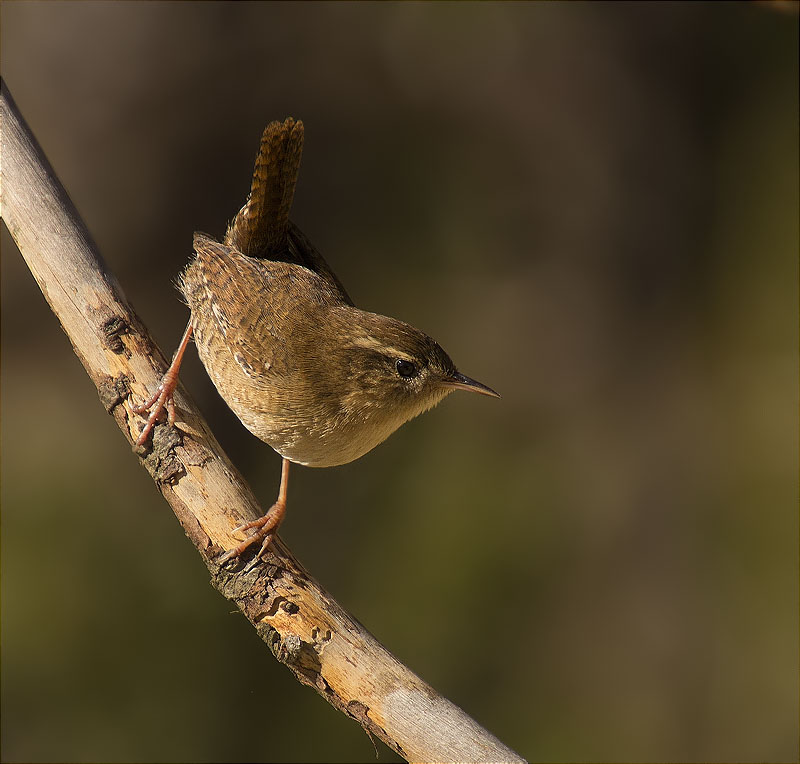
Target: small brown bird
column 319, row 380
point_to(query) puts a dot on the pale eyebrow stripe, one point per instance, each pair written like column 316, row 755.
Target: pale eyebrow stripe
column 370, row 343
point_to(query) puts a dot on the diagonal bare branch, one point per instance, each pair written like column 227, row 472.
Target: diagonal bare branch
column 323, row 645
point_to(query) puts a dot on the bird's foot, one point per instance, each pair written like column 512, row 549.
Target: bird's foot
column 160, row 400
column 267, row 527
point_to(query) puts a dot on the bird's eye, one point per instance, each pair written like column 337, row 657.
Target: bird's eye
column 406, row 369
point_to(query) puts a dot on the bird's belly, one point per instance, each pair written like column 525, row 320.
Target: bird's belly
column 337, row 448
column 296, row 431
column 311, row 447
column 284, row 412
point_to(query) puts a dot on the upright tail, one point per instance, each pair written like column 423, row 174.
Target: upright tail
column 261, row 227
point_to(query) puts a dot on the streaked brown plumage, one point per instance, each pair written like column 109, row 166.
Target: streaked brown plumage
column 319, row 380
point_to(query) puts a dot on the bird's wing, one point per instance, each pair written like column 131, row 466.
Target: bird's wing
column 254, row 304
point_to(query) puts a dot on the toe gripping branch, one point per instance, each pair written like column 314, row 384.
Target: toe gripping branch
column 163, row 396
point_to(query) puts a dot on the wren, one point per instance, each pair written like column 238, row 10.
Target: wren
column 307, row 372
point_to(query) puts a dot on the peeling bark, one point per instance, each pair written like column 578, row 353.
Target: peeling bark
column 306, row 630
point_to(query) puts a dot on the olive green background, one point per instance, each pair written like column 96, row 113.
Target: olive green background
column 593, row 208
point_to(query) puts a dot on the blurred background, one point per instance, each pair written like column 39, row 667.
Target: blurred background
column 594, row 208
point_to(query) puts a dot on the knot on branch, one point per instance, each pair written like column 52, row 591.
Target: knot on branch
column 161, row 461
column 113, row 328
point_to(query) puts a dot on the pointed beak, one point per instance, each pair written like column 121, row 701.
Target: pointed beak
column 460, row 382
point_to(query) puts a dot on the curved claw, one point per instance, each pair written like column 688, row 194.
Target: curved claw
column 161, row 399
column 267, row 525
column 163, row 396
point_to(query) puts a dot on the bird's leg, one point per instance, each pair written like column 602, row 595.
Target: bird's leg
column 163, row 395
column 267, row 525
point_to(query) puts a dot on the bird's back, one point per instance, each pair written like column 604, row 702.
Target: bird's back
column 250, row 320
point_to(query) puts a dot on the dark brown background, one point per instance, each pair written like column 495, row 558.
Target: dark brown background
column 594, row 209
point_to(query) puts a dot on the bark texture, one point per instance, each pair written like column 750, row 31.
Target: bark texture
column 323, row 645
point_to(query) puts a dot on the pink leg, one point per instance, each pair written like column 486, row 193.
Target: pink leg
column 267, row 525
column 163, row 394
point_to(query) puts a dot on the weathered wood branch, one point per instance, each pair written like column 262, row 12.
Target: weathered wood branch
column 324, row 646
